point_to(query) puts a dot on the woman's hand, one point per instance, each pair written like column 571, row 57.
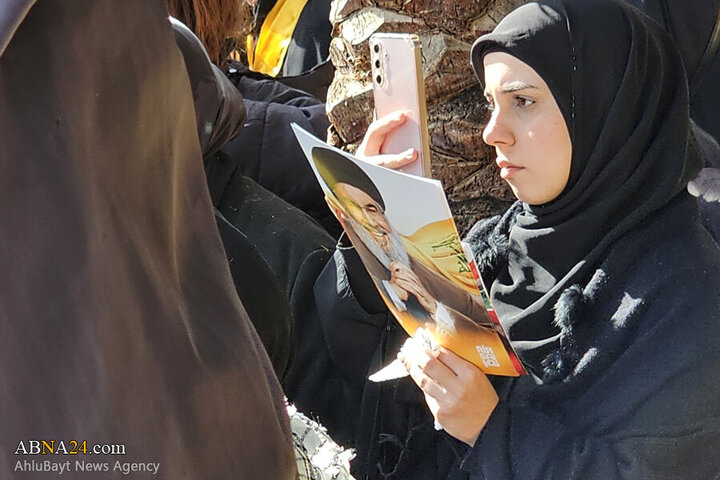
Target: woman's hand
column 369, row 149
column 459, row 395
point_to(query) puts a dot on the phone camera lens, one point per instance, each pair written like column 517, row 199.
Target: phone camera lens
column 376, row 47
column 377, row 63
column 378, row 79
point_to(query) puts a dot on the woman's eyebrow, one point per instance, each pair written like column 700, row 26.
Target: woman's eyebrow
column 512, row 87
column 516, row 86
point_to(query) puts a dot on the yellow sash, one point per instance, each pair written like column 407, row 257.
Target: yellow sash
column 267, row 53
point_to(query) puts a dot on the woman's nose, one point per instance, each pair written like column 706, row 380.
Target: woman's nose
column 496, row 132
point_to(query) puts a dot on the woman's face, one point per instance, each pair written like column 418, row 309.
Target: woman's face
column 527, row 129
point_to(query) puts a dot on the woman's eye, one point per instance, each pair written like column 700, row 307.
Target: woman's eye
column 523, row 102
column 489, row 106
column 486, row 110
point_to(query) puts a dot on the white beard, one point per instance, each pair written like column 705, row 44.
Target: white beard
column 396, row 252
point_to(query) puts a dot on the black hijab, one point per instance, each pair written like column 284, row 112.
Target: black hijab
column 619, row 82
column 689, row 23
column 695, row 29
column 219, row 107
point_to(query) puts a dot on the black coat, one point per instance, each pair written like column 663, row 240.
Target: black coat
column 266, row 150
column 632, row 392
column 274, row 250
column 388, row 424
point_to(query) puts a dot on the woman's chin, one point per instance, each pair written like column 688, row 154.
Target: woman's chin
column 531, row 196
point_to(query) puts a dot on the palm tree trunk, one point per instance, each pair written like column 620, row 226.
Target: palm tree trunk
column 454, row 99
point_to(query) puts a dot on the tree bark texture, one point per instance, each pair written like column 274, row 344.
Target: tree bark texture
column 456, row 106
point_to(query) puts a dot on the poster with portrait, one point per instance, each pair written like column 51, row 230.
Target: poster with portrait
column 402, row 228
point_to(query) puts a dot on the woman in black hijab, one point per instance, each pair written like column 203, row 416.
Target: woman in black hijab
column 602, row 275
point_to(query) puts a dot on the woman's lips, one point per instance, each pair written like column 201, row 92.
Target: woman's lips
column 507, row 169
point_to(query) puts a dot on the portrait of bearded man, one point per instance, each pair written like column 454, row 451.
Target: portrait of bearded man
column 409, row 283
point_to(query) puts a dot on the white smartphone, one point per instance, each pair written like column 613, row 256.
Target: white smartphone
column 398, row 84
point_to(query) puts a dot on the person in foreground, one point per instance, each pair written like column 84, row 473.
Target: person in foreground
column 119, row 323
column 602, row 275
